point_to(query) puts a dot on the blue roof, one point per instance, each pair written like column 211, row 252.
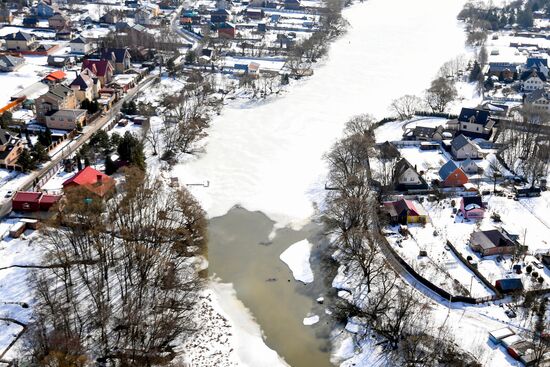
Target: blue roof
column 447, row 169
column 481, row 116
column 510, row 284
column 536, row 62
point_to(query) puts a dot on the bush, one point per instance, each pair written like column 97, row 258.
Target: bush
column 540, row 280
column 535, row 274
column 529, row 269
column 453, row 203
column 469, row 258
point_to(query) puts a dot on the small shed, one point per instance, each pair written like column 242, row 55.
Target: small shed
column 496, row 336
column 509, row 285
column 31, row 223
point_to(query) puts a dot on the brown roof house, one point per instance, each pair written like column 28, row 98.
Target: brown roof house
column 10, row 63
column 59, row 97
column 59, row 21
column 494, row 242
column 66, row 119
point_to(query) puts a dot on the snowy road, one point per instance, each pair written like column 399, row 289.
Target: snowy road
column 267, row 156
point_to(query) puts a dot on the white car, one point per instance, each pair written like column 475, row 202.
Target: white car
column 8, row 194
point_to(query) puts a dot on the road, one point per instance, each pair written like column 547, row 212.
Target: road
column 77, row 142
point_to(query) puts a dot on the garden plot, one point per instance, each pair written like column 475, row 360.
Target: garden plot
column 427, row 161
column 515, row 218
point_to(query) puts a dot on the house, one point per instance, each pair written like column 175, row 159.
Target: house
column 220, row 16
column 463, row 148
column 505, row 71
column 388, row 151
column 538, row 100
column 452, row 176
column 536, row 63
column 30, row 21
column 226, row 30
column 59, row 21
column 425, row 133
column 405, row 177
column 153, row 8
column 496, row 336
column 55, row 77
column 10, row 63
column 43, row 10
column 190, row 17
column 509, row 285
column 6, row 16
column 472, row 207
column 406, row 211
column 86, row 86
column 60, row 61
column 92, row 180
column 66, row 119
column 21, row 41
column 493, row 242
column 532, row 80
column 475, row 123
column 81, row 46
column 469, row 166
column 255, row 13
column 64, row 34
column 11, row 147
column 29, row 201
column 58, row 97
column 293, row 4
column 119, row 57
column 103, row 69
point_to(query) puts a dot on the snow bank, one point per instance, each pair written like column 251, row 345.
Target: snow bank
column 296, row 256
column 249, row 344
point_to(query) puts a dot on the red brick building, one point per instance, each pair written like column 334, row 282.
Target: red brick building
column 29, row 201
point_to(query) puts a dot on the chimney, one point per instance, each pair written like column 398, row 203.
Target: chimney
column 99, row 178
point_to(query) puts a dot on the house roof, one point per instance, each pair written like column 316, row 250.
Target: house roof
column 20, row 36
column 83, row 81
column 79, row 39
column 56, row 75
column 8, row 61
column 536, row 95
column 405, row 207
column 536, row 62
column 402, row 166
column 480, row 116
column 459, row 142
column 27, row 196
column 388, row 151
column 531, row 74
column 59, row 91
column 92, row 179
column 69, row 113
column 510, row 284
column 118, row 54
column 492, row 238
column 467, row 162
column 98, row 67
column 447, row 169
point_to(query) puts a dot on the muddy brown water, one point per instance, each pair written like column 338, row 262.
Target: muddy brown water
column 240, row 252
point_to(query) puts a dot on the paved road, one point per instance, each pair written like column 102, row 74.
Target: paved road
column 77, row 142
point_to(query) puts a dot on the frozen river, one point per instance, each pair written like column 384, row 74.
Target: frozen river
column 268, row 156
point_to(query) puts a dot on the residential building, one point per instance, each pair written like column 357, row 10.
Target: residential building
column 10, row 148
column 55, row 77
column 452, row 176
column 103, row 69
column 110, row 17
column 406, row 177
column 509, row 285
column 119, row 57
column 532, row 80
column 10, row 63
column 536, row 63
column 426, row 133
column 255, row 13
column 43, row 10
column 463, row 148
column 30, row 201
column 227, row 30
column 293, row 4
column 58, row 97
column 92, row 180
column 538, row 100
column 470, row 167
column 59, row 21
column 61, row 61
column 493, row 242
column 220, row 16
column 81, row 46
column 472, row 207
column 475, row 123
column 21, row 41
column 143, row 17
column 86, row 86
column 406, row 211
column 66, row 119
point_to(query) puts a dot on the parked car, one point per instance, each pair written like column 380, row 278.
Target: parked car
column 510, row 313
column 9, row 194
column 538, row 265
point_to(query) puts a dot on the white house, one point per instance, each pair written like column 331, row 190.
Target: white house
column 469, row 166
column 532, row 80
column 81, row 45
column 463, row 148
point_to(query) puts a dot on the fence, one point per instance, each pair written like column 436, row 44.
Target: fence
column 474, row 270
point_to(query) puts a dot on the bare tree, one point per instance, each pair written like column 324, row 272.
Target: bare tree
column 406, row 106
column 441, row 92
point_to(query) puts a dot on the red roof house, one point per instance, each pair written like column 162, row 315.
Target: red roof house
column 55, row 77
column 28, row 201
column 452, row 175
column 103, row 69
column 93, row 180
